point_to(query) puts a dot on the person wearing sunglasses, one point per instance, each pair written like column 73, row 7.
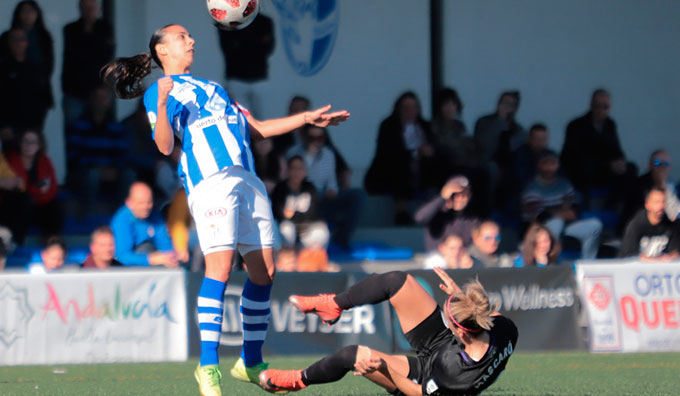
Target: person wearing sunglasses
column 658, row 176
column 461, row 349
column 486, row 238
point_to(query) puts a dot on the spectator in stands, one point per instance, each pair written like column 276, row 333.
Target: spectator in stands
column 539, row 248
column 489, row 128
column 52, row 257
column 140, row 233
column 97, row 151
column 319, row 160
column 496, row 136
column 270, row 166
column 296, row 207
column 592, row 156
column 5, row 245
column 28, row 18
column 455, row 150
column 449, row 254
column 657, row 176
column 26, row 92
column 15, row 205
column 447, row 214
column 339, row 207
column 8, row 138
column 552, row 200
column 526, row 156
column 102, row 250
column 282, row 143
column 36, row 171
column 88, row 46
column 245, row 56
column 486, row 237
column 404, row 157
column 142, row 151
column 650, row 235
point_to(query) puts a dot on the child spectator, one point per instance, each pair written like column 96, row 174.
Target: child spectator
column 450, row 254
column 295, row 206
column 539, row 248
column 52, row 257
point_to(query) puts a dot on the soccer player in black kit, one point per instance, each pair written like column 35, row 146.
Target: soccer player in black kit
column 461, row 350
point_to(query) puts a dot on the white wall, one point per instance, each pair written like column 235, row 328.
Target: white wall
column 557, row 52
column 377, row 56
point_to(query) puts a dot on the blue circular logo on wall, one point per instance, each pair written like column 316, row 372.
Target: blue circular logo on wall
column 309, row 29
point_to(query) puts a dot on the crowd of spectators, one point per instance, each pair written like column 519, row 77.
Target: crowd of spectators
column 465, row 189
column 557, row 202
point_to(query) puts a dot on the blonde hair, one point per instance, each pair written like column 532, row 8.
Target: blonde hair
column 471, row 308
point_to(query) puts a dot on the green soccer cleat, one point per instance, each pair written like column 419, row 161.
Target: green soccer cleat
column 209, row 380
column 251, row 374
column 248, row 374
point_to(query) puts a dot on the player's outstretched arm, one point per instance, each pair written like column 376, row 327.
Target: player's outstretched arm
column 449, row 286
column 278, row 126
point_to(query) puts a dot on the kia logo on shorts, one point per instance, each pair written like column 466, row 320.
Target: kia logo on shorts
column 216, row 212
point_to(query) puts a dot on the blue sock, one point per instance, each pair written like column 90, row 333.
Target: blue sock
column 210, row 303
column 255, row 310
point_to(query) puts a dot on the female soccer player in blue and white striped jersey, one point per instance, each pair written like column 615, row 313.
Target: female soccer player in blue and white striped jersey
column 227, row 200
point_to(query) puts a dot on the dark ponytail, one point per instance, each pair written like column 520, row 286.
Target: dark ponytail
column 126, row 75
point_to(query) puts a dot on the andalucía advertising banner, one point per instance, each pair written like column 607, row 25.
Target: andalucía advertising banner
column 631, row 306
column 93, row 317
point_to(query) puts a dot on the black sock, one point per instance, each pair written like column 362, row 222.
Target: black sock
column 372, row 290
column 331, row 368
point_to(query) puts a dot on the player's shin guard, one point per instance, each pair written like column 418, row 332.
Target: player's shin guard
column 372, row 290
column 210, row 302
column 255, row 308
column 331, row 368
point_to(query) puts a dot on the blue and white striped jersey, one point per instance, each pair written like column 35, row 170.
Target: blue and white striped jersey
column 212, row 128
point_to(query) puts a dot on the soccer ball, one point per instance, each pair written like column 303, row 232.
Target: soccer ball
column 233, row 14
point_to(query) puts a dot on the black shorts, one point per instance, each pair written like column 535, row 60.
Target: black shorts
column 424, row 339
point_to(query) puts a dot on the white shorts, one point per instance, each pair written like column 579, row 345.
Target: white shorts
column 232, row 211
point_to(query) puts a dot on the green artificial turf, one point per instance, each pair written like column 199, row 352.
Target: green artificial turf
column 526, row 374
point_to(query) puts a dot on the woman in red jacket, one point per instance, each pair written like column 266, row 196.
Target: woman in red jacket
column 34, row 167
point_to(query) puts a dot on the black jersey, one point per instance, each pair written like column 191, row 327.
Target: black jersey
column 445, row 369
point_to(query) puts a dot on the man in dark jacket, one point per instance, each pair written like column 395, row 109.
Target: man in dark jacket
column 592, row 157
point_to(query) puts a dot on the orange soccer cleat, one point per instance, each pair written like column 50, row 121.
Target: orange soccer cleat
column 323, row 305
column 281, row 381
